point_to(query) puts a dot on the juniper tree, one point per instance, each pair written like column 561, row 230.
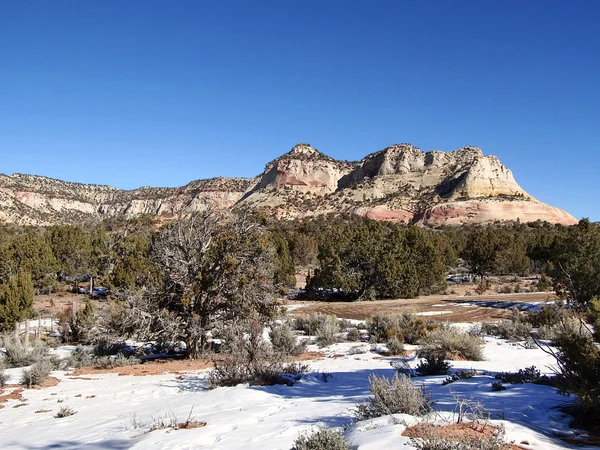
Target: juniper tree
column 16, row 300
column 213, row 271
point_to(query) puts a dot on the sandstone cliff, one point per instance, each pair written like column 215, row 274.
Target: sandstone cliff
column 400, row 183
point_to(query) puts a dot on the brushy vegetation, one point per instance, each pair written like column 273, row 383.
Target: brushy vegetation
column 528, row 375
column 460, row 375
column 85, row 357
column 3, row 376
column 507, row 329
column 320, row 440
column 395, row 346
column 37, row 373
column 110, row 362
column 327, row 332
column 451, row 343
column 16, row 355
column 285, row 341
column 406, row 327
column 247, row 358
column 433, row 365
column 498, row 386
column 579, row 371
column 65, row 411
column 310, row 324
column 353, row 335
column 397, row 395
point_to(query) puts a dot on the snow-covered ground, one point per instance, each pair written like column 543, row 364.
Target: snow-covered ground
column 116, row 412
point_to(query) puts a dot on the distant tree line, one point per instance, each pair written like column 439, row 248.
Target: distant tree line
column 347, row 257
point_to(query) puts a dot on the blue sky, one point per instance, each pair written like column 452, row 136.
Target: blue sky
column 133, row 93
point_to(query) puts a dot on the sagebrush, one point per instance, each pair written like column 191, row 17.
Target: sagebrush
column 320, row 440
column 397, row 395
column 451, row 343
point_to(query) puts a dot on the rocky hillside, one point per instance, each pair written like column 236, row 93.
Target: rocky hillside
column 400, row 183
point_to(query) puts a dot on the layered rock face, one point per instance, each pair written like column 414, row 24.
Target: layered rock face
column 35, row 200
column 400, row 183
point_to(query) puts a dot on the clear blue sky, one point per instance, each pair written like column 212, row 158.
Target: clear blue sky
column 132, row 93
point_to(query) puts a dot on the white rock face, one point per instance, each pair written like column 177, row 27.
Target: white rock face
column 488, row 177
column 400, row 183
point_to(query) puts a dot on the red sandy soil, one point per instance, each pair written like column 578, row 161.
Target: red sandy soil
column 176, row 366
column 14, row 395
column 453, row 432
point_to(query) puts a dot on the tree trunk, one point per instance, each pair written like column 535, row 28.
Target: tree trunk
column 192, row 349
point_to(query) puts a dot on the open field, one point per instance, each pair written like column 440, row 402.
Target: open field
column 447, row 308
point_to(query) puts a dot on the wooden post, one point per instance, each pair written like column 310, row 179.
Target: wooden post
column 26, row 341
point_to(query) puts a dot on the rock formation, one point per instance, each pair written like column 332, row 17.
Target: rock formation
column 400, row 183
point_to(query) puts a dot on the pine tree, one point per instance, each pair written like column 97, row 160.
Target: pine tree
column 16, row 300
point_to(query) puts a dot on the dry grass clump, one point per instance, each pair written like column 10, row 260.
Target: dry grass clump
column 397, row 395
column 65, row 411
